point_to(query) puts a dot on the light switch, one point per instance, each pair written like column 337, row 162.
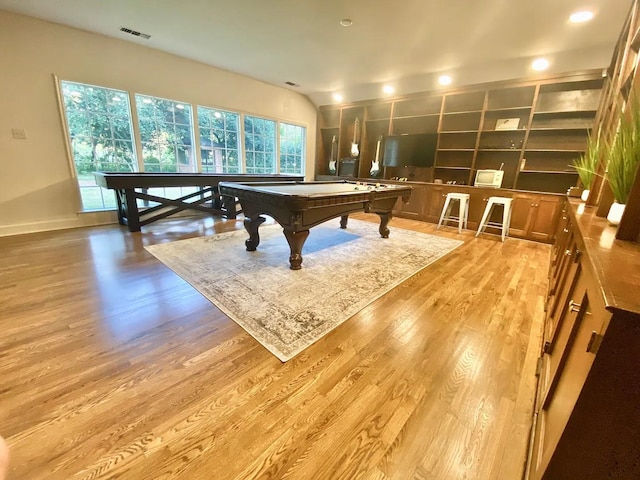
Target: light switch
column 19, row 133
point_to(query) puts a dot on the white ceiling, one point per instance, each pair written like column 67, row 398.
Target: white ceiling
column 408, row 43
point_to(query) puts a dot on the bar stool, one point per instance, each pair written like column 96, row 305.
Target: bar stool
column 506, row 215
column 463, row 210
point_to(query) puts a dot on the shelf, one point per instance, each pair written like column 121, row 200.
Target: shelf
column 518, row 150
column 452, row 168
column 406, row 117
column 552, row 172
column 504, row 132
column 448, row 132
column 552, row 150
column 559, row 129
column 458, row 131
column 564, row 112
column 462, row 112
column 456, row 149
column 508, row 109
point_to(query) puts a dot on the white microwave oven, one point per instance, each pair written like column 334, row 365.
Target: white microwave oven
column 489, row 178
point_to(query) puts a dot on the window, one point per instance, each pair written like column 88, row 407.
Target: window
column 166, row 133
column 219, row 140
column 292, row 138
column 259, row 145
column 101, row 138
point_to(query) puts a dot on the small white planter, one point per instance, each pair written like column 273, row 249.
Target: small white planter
column 585, row 195
column 615, row 213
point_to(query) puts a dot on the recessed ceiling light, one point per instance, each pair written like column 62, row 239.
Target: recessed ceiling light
column 346, row 22
column 388, row 89
column 337, row 97
column 444, row 80
column 579, row 17
column 540, row 64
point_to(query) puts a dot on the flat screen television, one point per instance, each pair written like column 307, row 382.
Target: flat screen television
column 414, row 150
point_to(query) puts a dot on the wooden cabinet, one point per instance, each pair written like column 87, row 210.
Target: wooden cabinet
column 416, row 205
column 587, row 416
column 532, row 130
column 535, row 216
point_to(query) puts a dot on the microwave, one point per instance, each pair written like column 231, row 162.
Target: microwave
column 489, row 178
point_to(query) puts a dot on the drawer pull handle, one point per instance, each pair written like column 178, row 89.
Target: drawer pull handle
column 566, row 230
column 567, row 253
column 574, row 307
column 594, row 342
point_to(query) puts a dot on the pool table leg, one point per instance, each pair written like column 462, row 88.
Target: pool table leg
column 384, row 221
column 296, row 241
column 343, row 221
column 251, row 224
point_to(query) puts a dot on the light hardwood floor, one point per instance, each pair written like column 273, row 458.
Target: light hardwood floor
column 111, row 366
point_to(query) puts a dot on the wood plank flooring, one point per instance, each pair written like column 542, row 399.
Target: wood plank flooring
column 111, row 366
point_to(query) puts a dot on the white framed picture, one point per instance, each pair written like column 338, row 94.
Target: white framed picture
column 507, row 123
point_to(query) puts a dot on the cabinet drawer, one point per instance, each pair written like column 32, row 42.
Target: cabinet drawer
column 565, row 383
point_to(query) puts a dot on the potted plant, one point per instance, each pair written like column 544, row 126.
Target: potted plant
column 587, row 164
column 624, row 158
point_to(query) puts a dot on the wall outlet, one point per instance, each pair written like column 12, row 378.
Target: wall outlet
column 19, row 133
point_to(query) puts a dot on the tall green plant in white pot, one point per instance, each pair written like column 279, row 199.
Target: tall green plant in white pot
column 624, row 158
column 587, row 164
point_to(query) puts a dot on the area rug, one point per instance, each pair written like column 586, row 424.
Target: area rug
column 287, row 310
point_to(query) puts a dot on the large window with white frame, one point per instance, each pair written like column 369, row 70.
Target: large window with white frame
column 219, row 140
column 259, row 145
column 166, row 135
column 292, row 148
column 101, row 138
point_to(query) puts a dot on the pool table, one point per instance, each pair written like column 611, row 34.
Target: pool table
column 298, row 206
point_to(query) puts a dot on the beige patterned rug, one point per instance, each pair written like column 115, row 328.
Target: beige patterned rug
column 287, row 310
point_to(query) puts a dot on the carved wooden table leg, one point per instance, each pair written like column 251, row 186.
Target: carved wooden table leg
column 296, row 241
column 343, row 221
column 251, row 224
column 384, row 221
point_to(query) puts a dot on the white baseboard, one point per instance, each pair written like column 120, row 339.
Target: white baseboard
column 83, row 219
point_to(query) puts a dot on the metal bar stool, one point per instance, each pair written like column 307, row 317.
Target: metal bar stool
column 463, row 210
column 506, row 215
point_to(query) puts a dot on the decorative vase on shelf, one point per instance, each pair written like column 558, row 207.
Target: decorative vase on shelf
column 585, row 195
column 615, row 213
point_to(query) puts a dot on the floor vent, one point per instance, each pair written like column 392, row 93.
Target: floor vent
column 134, row 33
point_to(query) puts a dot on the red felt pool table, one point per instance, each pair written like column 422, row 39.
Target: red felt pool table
column 298, row 206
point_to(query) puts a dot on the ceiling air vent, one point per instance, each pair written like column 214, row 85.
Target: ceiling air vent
column 291, row 84
column 134, row 33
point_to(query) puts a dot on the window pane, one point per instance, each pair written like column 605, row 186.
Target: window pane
column 101, row 137
column 166, row 133
column 292, row 148
column 219, row 146
column 259, row 144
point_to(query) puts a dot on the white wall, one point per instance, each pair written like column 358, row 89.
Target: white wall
column 37, row 189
